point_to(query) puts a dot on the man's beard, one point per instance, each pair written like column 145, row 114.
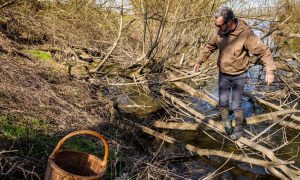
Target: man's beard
column 224, row 32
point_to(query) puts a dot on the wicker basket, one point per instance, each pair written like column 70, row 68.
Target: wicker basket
column 68, row 164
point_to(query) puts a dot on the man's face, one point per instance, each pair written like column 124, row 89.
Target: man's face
column 223, row 28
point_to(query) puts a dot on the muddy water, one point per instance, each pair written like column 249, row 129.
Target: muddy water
column 136, row 101
column 198, row 168
column 240, row 170
column 194, row 167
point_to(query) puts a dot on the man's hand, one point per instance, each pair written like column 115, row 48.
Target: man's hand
column 197, row 66
column 269, row 78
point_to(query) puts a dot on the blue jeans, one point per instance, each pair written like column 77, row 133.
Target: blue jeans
column 236, row 83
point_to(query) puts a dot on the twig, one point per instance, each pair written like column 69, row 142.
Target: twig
column 114, row 45
column 219, row 127
column 268, row 128
column 297, row 118
column 199, row 151
column 7, row 3
column 212, row 175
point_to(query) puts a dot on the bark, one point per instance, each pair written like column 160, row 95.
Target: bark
column 297, row 118
column 205, row 152
column 216, row 126
column 251, row 120
column 202, row 95
column 114, row 45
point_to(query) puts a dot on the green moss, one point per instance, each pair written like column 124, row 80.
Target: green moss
column 44, row 56
column 13, row 127
column 82, row 144
column 39, row 124
column 15, row 131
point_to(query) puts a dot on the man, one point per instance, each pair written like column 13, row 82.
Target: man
column 235, row 40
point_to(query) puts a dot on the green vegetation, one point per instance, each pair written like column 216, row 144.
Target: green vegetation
column 32, row 138
column 84, row 144
column 30, row 133
column 43, row 56
column 95, row 147
column 16, row 127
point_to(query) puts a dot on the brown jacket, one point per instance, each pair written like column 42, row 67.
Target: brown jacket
column 234, row 50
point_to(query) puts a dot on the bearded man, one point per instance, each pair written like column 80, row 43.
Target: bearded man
column 235, row 41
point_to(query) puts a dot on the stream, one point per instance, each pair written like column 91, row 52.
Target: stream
column 191, row 166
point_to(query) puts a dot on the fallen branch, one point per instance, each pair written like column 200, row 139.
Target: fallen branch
column 297, row 118
column 194, row 92
column 177, row 126
column 271, row 156
column 5, row 152
column 251, row 120
column 188, row 76
column 269, row 116
column 114, row 45
column 203, row 152
column 211, row 123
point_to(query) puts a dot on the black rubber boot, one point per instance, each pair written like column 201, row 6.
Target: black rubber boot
column 227, row 122
column 239, row 123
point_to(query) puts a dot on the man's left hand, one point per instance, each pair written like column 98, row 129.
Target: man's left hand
column 269, row 78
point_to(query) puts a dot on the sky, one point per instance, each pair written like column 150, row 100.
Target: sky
column 241, row 4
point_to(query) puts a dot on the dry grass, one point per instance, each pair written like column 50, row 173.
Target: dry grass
column 69, row 30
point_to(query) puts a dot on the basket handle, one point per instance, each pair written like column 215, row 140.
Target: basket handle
column 83, row 132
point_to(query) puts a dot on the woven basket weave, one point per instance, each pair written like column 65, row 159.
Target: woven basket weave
column 75, row 165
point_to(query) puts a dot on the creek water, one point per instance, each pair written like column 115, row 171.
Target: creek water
column 194, row 167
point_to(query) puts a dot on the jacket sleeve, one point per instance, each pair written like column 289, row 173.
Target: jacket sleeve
column 208, row 49
column 256, row 47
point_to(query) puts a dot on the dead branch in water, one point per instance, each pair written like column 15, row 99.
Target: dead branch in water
column 250, row 121
column 205, row 152
column 297, row 118
column 211, row 123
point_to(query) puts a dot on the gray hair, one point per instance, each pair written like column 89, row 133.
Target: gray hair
column 226, row 13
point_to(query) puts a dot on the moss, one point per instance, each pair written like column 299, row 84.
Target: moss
column 15, row 131
column 43, row 56
column 18, row 127
column 83, row 144
column 39, row 124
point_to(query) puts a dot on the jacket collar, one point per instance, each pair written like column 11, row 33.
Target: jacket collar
column 241, row 26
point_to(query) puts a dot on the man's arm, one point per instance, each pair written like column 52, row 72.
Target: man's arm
column 256, row 47
column 208, row 49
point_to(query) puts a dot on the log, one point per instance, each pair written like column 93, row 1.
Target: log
column 205, row 152
column 269, row 116
column 211, row 123
column 205, row 97
column 250, row 120
column 290, row 125
column 176, row 126
column 297, row 118
column 194, row 92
